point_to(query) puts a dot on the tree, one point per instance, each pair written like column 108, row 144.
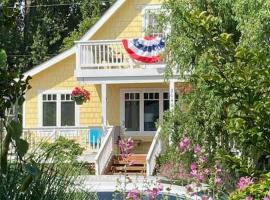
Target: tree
column 226, row 45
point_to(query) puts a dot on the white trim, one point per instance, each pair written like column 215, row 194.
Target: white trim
column 102, row 20
column 58, row 93
column 104, row 104
column 172, row 94
column 50, row 62
column 23, row 112
column 141, row 132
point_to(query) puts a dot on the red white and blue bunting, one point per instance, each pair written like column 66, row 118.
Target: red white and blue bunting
column 147, row 50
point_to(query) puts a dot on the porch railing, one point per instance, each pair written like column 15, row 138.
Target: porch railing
column 105, row 152
column 35, row 136
column 154, row 151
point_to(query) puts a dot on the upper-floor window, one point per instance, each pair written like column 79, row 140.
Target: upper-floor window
column 58, row 110
column 151, row 23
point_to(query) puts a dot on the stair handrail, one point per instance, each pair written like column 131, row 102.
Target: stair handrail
column 154, row 151
column 105, row 152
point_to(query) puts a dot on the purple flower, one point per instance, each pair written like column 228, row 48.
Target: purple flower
column 266, row 198
column 134, row 194
column 194, row 166
column 197, row 149
column 184, row 144
column 189, row 189
column 194, row 172
column 153, row 193
column 218, row 180
column 244, row 182
column 249, row 198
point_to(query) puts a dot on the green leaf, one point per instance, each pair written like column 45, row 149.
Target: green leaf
column 21, row 147
column 15, row 129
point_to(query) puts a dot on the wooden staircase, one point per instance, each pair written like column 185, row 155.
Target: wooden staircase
column 120, row 166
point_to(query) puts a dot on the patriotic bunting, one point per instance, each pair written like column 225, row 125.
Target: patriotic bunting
column 146, row 50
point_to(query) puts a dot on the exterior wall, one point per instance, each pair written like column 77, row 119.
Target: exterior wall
column 127, row 22
column 113, row 102
column 61, row 77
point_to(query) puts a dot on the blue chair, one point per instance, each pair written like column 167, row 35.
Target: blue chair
column 95, row 135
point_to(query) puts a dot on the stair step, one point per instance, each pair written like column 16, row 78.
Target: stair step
column 128, row 168
column 134, row 162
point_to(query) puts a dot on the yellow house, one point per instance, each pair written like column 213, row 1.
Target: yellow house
column 128, row 97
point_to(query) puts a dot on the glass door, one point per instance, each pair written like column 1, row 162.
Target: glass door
column 151, row 110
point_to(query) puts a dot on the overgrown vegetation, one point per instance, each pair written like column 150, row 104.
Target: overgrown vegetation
column 225, row 46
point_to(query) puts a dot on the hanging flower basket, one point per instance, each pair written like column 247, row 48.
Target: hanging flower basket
column 80, row 95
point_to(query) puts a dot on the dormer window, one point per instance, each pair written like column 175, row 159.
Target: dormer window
column 151, row 25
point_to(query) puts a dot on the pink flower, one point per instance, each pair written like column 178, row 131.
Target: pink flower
column 134, row 194
column 203, row 159
column 218, row 170
column 184, row 144
column 194, row 172
column 249, row 198
column 153, row 193
column 206, row 198
column 200, row 177
column 244, row 182
column 266, row 198
column 218, row 180
column 206, row 171
column 197, row 149
column 189, row 189
column 194, row 166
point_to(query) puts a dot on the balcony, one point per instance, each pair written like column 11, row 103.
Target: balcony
column 97, row 61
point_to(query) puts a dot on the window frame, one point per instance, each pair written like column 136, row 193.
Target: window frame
column 141, row 132
column 151, row 8
column 58, row 94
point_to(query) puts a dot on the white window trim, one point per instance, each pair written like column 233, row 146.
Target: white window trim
column 146, row 8
column 141, row 132
column 58, row 110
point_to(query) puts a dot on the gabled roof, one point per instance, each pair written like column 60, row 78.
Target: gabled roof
column 86, row 37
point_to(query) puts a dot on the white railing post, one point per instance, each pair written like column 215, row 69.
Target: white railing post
column 154, row 151
column 105, row 152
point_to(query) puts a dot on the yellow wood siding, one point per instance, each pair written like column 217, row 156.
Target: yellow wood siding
column 127, row 22
column 61, row 77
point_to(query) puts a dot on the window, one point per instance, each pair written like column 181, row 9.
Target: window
column 151, row 24
column 49, row 110
column 58, row 110
column 132, row 111
column 142, row 109
column 151, row 111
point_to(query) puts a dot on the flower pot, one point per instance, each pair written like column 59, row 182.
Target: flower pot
column 79, row 101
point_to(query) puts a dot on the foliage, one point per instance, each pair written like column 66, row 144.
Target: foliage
column 224, row 44
column 38, row 30
column 62, row 150
column 257, row 191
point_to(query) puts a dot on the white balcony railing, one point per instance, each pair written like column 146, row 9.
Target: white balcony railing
column 154, row 151
column 105, row 54
column 35, row 136
column 102, row 54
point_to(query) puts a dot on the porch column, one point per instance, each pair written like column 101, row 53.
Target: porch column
column 172, row 94
column 104, row 104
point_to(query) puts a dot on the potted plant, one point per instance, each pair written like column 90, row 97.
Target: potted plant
column 80, row 95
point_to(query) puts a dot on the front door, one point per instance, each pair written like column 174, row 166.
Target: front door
column 142, row 109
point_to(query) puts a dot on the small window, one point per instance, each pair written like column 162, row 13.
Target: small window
column 151, row 24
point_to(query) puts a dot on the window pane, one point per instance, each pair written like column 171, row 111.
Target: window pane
column 62, row 97
column 68, row 113
column 132, row 115
column 151, row 114
column 166, row 105
column 49, row 113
